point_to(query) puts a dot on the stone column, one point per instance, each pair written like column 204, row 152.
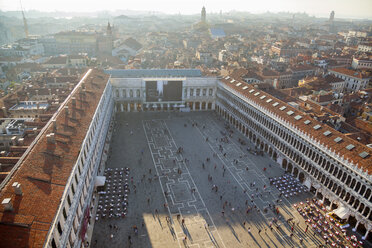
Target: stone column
column 135, row 107
column 316, row 192
column 193, row 106
column 128, row 107
column 121, row 107
column 366, row 235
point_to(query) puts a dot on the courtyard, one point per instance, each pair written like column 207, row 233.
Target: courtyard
column 193, row 181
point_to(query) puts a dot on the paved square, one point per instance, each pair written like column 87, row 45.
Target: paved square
column 181, row 199
column 181, row 192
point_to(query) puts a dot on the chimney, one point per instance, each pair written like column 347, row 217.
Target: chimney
column 17, row 188
column 54, row 122
column 21, row 141
column 73, row 100
column 66, row 111
column 7, row 203
column 5, row 112
column 37, row 92
column 50, row 91
column 50, row 138
column 14, row 140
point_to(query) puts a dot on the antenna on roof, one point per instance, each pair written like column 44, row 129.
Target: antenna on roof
column 24, row 20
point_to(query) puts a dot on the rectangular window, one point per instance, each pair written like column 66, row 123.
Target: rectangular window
column 64, row 213
column 54, row 244
column 59, row 228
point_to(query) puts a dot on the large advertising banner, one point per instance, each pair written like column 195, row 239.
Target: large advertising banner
column 163, row 91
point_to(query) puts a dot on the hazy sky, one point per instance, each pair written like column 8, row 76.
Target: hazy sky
column 343, row 8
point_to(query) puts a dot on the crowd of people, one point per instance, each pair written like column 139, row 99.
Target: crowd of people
column 113, row 201
column 324, row 225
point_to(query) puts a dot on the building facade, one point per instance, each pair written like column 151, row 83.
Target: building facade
column 354, row 80
column 73, row 217
column 334, row 167
column 131, row 90
column 57, row 172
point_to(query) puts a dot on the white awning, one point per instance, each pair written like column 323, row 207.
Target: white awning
column 100, row 181
column 341, row 212
column 316, row 186
column 307, row 183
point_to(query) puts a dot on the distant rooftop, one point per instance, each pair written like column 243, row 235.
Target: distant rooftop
column 139, row 73
column 217, row 32
column 30, row 105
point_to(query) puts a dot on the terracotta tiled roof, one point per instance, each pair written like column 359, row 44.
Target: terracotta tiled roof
column 318, row 134
column 350, row 73
column 332, row 79
column 44, row 172
column 302, row 68
column 57, row 60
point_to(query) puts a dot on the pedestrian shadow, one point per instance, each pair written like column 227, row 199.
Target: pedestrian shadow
column 185, row 243
column 255, row 240
column 161, row 225
column 213, row 240
column 186, row 232
column 263, row 239
column 271, row 241
column 171, row 229
column 233, row 231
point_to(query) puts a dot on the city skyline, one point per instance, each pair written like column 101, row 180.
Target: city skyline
column 343, row 9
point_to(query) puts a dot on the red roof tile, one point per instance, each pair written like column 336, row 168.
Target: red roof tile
column 350, row 73
column 352, row 155
column 44, row 172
